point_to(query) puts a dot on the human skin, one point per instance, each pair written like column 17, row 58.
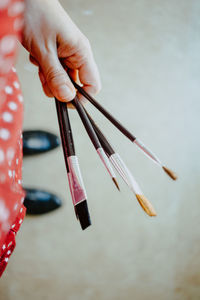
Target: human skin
column 56, row 44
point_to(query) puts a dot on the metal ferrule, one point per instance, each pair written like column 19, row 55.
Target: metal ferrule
column 76, row 184
column 125, row 173
column 147, row 151
column 106, row 162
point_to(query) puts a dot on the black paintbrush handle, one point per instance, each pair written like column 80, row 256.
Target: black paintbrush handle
column 114, row 121
column 86, row 123
column 103, row 140
column 67, row 128
column 62, row 133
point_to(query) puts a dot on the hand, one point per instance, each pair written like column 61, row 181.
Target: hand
column 55, row 43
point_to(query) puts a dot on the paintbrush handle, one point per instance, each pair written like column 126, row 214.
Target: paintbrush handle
column 86, row 123
column 94, row 139
column 66, row 128
column 76, row 185
column 62, row 133
column 114, row 121
column 104, row 142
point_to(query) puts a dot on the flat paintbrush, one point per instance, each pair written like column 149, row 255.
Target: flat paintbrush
column 94, row 139
column 123, row 170
column 76, row 185
column 125, row 131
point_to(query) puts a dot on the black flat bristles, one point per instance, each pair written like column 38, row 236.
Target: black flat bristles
column 83, row 215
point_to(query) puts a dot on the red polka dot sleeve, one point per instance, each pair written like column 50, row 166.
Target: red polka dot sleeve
column 12, row 195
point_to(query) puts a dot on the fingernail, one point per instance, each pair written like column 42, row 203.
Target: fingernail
column 65, row 93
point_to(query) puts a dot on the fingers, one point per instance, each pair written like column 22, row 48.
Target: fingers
column 89, row 76
column 56, row 78
column 46, row 89
column 83, row 61
column 83, row 69
column 88, row 71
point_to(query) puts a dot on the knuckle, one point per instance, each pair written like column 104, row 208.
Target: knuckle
column 54, row 76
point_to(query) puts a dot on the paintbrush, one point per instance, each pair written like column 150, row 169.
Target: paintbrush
column 125, row 131
column 94, row 139
column 122, row 169
column 76, row 184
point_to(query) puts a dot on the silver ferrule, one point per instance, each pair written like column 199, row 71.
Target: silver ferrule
column 76, row 184
column 147, row 151
column 106, row 162
column 125, row 173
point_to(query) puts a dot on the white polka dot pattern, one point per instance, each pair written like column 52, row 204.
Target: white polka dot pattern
column 8, row 90
column 18, row 24
column 8, row 44
column 16, row 84
column 10, row 153
column 12, row 105
column 5, row 64
column 4, row 212
column 4, row 134
column 16, row 9
column 16, row 206
column 7, row 117
column 11, row 116
column 20, row 98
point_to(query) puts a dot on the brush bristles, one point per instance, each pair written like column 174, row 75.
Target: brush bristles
column 83, row 215
column 146, row 205
column 116, row 183
column 170, row 173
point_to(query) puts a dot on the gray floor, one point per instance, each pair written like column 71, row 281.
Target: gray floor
column 148, row 56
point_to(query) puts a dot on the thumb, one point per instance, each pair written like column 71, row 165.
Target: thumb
column 57, row 78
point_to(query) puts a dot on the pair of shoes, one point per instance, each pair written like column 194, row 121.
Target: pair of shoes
column 39, row 201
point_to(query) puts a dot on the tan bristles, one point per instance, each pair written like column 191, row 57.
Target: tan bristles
column 146, row 205
column 116, row 183
column 170, row 173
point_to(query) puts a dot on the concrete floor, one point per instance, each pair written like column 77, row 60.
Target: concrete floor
column 148, row 56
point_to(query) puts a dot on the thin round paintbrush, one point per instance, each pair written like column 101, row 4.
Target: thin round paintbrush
column 125, row 131
column 123, row 170
column 94, row 139
column 76, row 185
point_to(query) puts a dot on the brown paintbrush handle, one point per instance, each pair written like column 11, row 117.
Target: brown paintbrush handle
column 104, row 142
column 86, row 123
column 114, row 121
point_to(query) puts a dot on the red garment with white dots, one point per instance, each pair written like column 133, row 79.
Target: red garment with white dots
column 12, row 195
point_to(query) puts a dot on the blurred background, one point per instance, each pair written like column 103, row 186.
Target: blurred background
column 148, row 56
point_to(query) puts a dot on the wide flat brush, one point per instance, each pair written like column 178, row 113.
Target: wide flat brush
column 76, row 185
column 123, row 170
column 94, row 139
column 125, row 131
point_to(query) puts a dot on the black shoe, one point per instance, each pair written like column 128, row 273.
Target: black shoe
column 40, row 202
column 38, row 141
